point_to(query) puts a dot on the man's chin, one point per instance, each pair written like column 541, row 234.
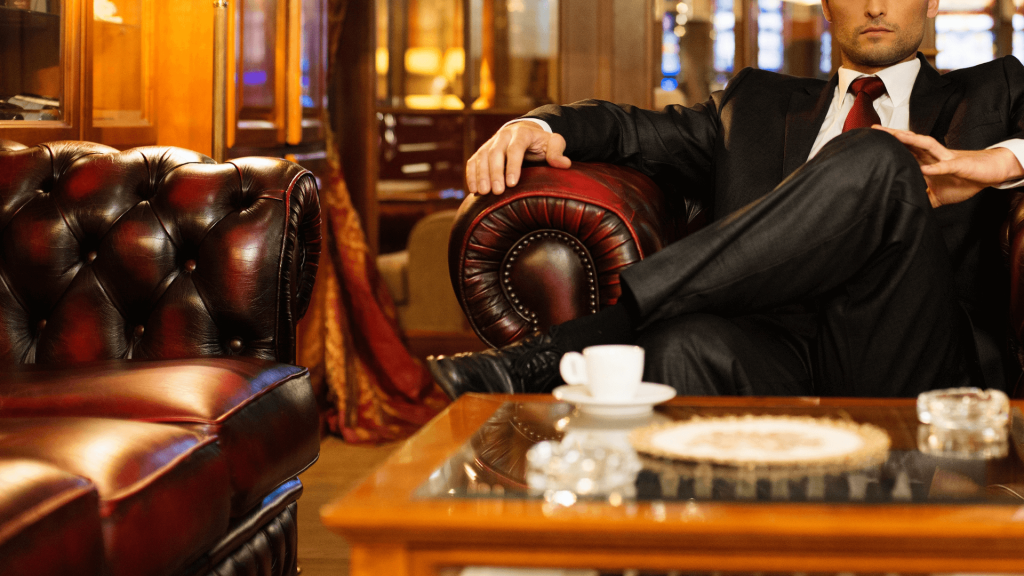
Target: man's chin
column 883, row 56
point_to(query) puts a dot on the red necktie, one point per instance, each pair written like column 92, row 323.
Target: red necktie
column 863, row 115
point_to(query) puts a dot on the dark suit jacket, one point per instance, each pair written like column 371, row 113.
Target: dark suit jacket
column 739, row 145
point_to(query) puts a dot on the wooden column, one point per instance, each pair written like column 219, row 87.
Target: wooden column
column 1004, row 27
column 352, row 109
column 746, row 12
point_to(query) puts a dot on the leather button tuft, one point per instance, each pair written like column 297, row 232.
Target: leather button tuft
column 90, row 257
column 139, row 331
column 41, row 325
column 235, row 345
column 190, row 265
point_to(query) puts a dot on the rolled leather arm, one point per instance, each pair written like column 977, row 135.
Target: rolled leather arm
column 552, row 248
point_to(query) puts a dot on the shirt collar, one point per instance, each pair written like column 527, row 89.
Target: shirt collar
column 899, row 80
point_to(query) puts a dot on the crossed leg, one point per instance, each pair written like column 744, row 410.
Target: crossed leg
column 852, row 237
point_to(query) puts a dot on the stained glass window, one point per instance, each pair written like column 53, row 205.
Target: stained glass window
column 964, row 33
column 725, row 37
column 769, row 35
column 670, row 62
column 825, row 64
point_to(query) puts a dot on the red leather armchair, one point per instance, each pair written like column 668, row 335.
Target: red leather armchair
column 552, row 248
column 151, row 421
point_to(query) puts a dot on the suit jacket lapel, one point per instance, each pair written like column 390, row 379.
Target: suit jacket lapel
column 807, row 110
column 931, row 91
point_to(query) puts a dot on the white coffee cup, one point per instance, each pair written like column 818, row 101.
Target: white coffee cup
column 611, row 372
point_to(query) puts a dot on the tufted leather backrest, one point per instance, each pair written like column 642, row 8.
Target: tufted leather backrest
column 151, row 253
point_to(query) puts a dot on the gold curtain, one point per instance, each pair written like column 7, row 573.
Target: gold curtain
column 370, row 388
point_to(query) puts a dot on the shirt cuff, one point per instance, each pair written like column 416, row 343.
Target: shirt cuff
column 547, row 127
column 1017, row 147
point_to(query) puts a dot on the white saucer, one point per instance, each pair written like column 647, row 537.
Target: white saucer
column 647, row 395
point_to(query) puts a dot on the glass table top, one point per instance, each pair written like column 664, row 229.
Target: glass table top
column 494, row 462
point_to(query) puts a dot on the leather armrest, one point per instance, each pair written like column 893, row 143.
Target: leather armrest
column 552, row 248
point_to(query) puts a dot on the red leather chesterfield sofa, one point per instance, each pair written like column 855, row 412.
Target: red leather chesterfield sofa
column 551, row 249
column 150, row 420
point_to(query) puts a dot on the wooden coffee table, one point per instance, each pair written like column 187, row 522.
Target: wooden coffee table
column 941, row 515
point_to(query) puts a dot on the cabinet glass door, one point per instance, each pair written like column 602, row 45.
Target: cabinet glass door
column 259, row 38
column 121, row 53
column 38, row 70
column 31, row 83
column 312, row 77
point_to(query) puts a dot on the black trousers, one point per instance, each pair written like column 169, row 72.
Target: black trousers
column 837, row 283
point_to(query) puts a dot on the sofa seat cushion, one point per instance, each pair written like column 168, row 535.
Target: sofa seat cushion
column 43, row 510
column 163, row 490
column 264, row 413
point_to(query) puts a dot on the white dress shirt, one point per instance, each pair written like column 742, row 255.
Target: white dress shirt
column 893, row 108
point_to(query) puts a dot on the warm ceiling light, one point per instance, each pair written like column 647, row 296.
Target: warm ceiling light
column 382, row 61
column 426, row 61
column 454, row 62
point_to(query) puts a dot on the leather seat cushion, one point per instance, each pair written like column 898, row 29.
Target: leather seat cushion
column 49, row 521
column 163, row 490
column 263, row 413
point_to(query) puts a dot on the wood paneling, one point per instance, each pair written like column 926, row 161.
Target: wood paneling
column 607, row 51
column 184, row 102
column 580, row 49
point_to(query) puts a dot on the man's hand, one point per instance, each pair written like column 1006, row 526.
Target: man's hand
column 500, row 159
column 956, row 175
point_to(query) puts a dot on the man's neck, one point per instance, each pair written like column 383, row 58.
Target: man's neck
column 866, row 69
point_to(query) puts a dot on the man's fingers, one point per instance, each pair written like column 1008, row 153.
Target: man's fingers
column 555, row 153
column 485, row 172
column 919, row 141
column 940, row 168
column 471, row 174
column 514, row 157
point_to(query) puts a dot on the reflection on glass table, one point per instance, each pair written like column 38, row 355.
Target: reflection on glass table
column 30, row 52
column 549, row 452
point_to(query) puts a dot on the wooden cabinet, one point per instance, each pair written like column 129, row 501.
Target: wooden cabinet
column 119, row 76
column 276, row 76
column 78, row 70
column 40, row 70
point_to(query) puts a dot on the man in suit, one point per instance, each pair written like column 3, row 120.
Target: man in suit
column 853, row 245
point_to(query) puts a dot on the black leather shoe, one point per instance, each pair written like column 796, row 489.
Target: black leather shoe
column 530, row 365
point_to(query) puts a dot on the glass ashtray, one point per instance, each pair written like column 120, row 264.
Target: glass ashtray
column 971, row 409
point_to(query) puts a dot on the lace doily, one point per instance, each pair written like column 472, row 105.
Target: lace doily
column 768, row 442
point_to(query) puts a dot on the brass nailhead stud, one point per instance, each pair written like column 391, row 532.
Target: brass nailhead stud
column 41, row 325
column 90, row 257
column 190, row 265
column 139, row 331
column 235, row 345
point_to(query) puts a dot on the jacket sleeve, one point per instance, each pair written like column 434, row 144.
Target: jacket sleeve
column 677, row 142
column 1014, row 71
